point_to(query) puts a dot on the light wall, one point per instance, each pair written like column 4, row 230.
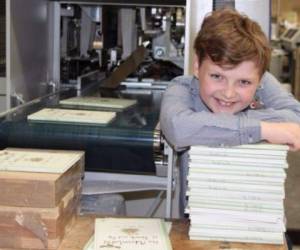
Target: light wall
column 281, row 8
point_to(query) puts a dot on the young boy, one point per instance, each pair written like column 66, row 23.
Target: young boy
column 231, row 99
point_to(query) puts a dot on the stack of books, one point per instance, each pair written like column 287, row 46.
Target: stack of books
column 236, row 193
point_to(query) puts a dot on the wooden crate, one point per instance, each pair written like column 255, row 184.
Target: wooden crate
column 44, row 190
column 36, row 208
column 38, row 228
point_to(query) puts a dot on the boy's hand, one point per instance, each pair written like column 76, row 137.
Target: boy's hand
column 282, row 133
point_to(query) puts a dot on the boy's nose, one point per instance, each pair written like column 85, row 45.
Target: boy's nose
column 229, row 92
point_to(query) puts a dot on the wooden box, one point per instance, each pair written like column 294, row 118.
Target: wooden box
column 36, row 189
column 38, row 228
column 36, row 207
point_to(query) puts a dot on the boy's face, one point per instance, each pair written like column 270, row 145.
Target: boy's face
column 227, row 90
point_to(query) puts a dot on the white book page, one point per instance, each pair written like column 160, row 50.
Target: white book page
column 236, row 179
column 242, row 172
column 255, row 146
column 246, row 215
column 233, row 195
column 226, row 186
column 238, row 160
column 237, row 233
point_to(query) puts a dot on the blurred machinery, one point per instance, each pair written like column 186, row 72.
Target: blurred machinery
column 290, row 43
column 103, row 49
column 290, row 39
column 285, row 59
column 102, row 36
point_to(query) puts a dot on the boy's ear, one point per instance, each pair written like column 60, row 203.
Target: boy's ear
column 196, row 66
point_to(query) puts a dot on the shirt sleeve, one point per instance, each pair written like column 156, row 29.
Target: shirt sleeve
column 183, row 126
column 278, row 104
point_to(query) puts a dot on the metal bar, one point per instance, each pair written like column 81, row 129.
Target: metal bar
column 169, row 3
column 8, row 54
column 126, row 68
column 27, row 104
column 169, row 182
column 154, row 205
column 142, row 179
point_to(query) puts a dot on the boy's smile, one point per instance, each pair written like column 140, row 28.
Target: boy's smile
column 227, row 90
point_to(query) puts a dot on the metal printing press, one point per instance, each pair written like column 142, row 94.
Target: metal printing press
column 60, row 49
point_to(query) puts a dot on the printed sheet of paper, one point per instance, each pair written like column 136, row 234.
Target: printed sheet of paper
column 90, row 245
column 42, row 161
column 131, row 234
column 87, row 117
column 99, row 102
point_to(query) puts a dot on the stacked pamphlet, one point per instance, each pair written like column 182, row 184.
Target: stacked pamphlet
column 236, row 193
column 72, row 116
column 98, row 103
column 130, row 234
column 36, row 160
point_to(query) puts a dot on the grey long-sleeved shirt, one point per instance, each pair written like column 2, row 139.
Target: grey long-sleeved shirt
column 186, row 121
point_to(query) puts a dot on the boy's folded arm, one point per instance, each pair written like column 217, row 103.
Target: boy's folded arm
column 182, row 126
column 282, row 133
column 281, row 126
column 185, row 127
column 279, row 105
column 280, row 118
column 273, row 115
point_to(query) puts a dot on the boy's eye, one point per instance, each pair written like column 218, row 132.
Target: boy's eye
column 245, row 82
column 216, row 76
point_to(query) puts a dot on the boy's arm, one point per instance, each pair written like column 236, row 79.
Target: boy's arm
column 184, row 126
column 278, row 104
column 282, row 133
column 280, row 118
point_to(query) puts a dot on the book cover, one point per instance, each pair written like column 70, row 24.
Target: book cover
column 35, row 160
column 90, row 245
column 84, row 117
column 90, row 102
column 131, row 234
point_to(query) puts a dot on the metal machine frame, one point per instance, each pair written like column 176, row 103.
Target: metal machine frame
column 110, row 183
